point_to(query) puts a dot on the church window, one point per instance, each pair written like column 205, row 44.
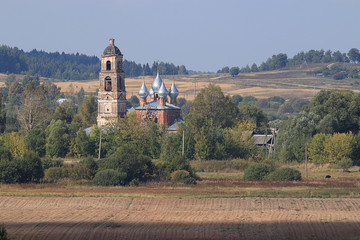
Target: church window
column 107, row 84
column 108, row 65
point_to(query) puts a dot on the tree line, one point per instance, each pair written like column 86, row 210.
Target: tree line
column 77, row 66
column 37, row 132
column 312, row 56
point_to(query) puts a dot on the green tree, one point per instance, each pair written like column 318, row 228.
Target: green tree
column 354, row 55
column 317, row 152
column 252, row 113
column 237, row 99
column 212, row 105
column 88, row 110
column 234, row 71
column 225, row 69
column 31, row 169
column 80, row 96
column 339, row 146
column 57, row 139
column 134, row 100
column 64, row 112
column 254, row 68
column 84, row 145
column 36, row 141
column 129, row 160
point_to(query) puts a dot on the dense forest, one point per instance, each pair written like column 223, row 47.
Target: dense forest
column 281, row 60
column 72, row 66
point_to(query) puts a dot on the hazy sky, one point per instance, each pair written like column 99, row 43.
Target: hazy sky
column 204, row 35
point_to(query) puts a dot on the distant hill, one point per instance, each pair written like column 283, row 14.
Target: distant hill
column 77, row 66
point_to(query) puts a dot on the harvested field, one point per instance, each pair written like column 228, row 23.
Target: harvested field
column 155, row 218
column 287, row 84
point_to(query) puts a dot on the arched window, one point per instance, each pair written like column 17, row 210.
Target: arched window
column 108, row 65
column 107, row 84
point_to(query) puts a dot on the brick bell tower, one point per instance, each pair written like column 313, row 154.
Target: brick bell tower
column 112, row 94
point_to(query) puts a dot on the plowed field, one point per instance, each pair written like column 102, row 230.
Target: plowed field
column 156, row 218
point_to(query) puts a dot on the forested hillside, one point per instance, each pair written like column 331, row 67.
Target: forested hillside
column 71, row 66
column 281, row 60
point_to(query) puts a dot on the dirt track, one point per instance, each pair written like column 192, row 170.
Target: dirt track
column 217, row 218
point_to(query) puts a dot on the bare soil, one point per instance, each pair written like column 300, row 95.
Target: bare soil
column 154, row 218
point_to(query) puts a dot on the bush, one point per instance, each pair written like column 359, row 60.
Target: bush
column 345, row 163
column 284, row 174
column 182, row 176
column 30, row 167
column 128, row 160
column 91, row 167
column 109, row 177
column 3, row 233
column 54, row 174
column 21, row 170
column 340, row 75
column 48, row 163
column 257, row 171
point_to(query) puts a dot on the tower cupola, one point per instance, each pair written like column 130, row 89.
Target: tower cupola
column 157, row 83
column 151, row 93
column 173, row 92
column 143, row 92
column 163, row 92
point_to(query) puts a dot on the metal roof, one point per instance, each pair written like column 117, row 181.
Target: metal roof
column 262, row 139
column 173, row 92
column 111, row 50
column 155, row 105
column 173, row 126
column 143, row 92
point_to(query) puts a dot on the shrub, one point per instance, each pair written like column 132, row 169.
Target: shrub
column 340, row 75
column 48, row 163
column 128, row 160
column 257, row 171
column 30, row 167
column 91, row 167
column 182, row 176
column 3, row 233
column 284, row 174
column 109, row 177
column 54, row 174
column 21, row 169
column 134, row 183
column 345, row 163
column 78, row 172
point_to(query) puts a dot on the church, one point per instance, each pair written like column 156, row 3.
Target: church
column 112, row 94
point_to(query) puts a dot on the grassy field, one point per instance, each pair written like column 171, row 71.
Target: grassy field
column 219, row 182
column 287, row 84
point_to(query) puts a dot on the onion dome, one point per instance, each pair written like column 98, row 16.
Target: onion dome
column 143, row 92
column 112, row 49
column 157, row 83
column 173, row 92
column 151, row 93
column 163, row 92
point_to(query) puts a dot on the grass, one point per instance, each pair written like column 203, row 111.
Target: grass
column 287, row 83
column 223, row 183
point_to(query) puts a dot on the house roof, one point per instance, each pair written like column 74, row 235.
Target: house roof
column 261, row 139
column 174, row 125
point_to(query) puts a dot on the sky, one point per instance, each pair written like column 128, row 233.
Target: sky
column 203, row 35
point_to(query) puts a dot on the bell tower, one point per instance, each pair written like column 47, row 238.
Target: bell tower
column 112, row 94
